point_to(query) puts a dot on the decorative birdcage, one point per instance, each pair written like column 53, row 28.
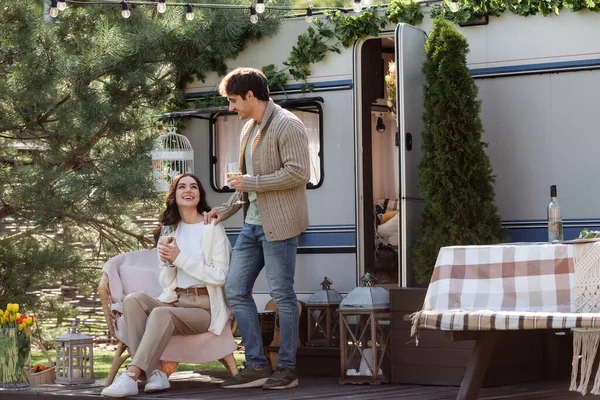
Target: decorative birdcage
column 172, row 155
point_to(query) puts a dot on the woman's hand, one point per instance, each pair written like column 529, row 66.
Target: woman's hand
column 168, row 253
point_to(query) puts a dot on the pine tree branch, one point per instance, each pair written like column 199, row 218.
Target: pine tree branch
column 144, row 241
column 41, row 120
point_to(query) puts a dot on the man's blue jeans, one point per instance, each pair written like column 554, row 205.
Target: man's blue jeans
column 252, row 251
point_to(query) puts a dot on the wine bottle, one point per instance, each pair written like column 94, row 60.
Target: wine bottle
column 555, row 226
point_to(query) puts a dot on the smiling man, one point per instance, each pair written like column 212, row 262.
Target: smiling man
column 274, row 162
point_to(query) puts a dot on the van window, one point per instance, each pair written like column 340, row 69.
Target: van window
column 225, row 144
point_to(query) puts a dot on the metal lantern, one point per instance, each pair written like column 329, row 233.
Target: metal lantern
column 364, row 334
column 172, row 155
column 74, row 357
column 322, row 318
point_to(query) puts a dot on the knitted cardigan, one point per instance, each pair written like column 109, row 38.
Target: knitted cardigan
column 215, row 246
column 281, row 167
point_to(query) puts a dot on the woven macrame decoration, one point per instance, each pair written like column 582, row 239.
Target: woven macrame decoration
column 586, row 259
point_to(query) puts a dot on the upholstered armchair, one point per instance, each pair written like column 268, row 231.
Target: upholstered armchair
column 136, row 272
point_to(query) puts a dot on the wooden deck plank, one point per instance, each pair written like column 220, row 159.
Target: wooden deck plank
column 206, row 387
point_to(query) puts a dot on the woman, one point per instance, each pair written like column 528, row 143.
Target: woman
column 192, row 300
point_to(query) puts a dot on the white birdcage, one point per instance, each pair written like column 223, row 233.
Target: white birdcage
column 172, row 155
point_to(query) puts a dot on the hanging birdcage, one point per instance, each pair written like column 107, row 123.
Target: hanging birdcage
column 172, row 155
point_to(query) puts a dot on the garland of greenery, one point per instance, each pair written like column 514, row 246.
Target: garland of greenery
column 345, row 29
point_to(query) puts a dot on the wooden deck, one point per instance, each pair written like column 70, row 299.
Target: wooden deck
column 188, row 385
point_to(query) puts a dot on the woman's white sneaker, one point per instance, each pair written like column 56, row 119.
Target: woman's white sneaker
column 157, row 382
column 122, row 386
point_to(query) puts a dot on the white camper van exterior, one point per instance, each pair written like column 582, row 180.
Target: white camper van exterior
column 539, row 83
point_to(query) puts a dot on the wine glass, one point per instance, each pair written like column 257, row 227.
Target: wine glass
column 233, row 170
column 167, row 236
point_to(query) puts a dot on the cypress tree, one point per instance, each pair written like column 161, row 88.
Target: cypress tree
column 455, row 172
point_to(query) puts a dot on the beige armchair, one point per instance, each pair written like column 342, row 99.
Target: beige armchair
column 136, row 272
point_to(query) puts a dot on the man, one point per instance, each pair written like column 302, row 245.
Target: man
column 274, row 162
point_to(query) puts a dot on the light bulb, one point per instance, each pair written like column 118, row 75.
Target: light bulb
column 454, row 5
column 309, row 17
column 53, row 9
column 260, row 6
column 61, row 5
column 161, row 7
column 357, row 6
column 189, row 14
column 253, row 16
column 380, row 125
column 125, row 13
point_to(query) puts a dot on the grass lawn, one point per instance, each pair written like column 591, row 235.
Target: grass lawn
column 103, row 360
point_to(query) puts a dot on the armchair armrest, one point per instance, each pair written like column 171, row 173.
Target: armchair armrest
column 106, row 301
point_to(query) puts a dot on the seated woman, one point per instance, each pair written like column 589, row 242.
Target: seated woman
column 192, row 300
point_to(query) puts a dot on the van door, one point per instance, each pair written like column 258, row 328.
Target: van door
column 410, row 80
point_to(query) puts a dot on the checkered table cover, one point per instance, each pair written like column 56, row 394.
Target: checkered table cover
column 503, row 287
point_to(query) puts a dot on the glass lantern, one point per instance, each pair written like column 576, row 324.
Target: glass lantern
column 322, row 318
column 365, row 354
column 74, row 357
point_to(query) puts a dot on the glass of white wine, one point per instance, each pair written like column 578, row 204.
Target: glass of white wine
column 233, row 170
column 167, row 236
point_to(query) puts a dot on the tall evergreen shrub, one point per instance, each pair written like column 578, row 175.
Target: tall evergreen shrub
column 455, row 172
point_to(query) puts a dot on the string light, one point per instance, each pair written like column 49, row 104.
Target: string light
column 357, row 6
column 454, row 5
column 189, row 12
column 161, row 6
column 253, row 16
column 61, row 5
column 53, row 9
column 309, row 17
column 125, row 13
column 260, row 6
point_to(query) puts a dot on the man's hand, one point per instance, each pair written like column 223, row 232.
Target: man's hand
column 237, row 183
column 214, row 213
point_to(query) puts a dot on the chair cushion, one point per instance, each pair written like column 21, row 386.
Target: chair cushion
column 139, row 273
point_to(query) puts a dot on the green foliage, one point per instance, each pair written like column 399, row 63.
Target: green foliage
column 407, row 11
column 455, row 172
column 275, row 78
column 350, row 28
column 76, row 102
column 311, row 48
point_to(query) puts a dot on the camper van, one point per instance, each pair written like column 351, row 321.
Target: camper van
column 539, row 83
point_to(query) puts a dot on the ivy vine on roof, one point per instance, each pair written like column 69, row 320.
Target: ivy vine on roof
column 342, row 29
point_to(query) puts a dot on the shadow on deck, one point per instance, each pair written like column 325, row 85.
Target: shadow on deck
column 189, row 385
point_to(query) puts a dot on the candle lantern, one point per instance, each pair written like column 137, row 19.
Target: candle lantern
column 74, row 357
column 365, row 355
column 322, row 318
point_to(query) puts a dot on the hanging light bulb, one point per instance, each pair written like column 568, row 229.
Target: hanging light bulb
column 125, row 13
column 380, row 125
column 260, row 6
column 189, row 12
column 253, row 16
column 357, row 6
column 53, row 9
column 61, row 5
column 161, row 7
column 454, row 5
column 308, row 18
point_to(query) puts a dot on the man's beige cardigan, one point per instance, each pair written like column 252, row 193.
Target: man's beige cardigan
column 281, row 167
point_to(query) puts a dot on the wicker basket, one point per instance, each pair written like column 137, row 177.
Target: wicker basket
column 46, row 376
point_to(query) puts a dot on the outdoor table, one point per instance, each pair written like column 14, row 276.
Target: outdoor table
column 515, row 286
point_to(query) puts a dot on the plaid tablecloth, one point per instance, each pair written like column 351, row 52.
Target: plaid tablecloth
column 504, row 287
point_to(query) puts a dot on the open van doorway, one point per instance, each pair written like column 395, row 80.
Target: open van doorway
column 388, row 153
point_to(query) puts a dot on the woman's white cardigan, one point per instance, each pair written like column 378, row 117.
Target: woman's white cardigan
column 217, row 251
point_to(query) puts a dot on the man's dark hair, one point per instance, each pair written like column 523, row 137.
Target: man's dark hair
column 241, row 80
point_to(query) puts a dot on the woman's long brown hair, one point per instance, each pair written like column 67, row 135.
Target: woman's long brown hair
column 170, row 215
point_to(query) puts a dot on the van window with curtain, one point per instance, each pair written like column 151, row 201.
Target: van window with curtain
column 226, row 130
